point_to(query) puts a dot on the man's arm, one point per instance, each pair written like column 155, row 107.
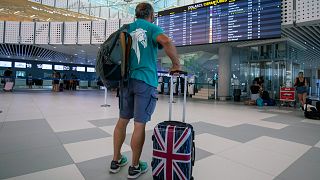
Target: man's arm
column 170, row 50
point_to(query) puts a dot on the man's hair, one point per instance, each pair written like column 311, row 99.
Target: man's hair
column 144, row 10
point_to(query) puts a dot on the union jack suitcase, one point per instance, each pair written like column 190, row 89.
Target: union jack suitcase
column 173, row 146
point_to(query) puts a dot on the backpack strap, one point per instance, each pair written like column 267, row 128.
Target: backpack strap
column 123, row 47
column 127, row 55
column 126, row 42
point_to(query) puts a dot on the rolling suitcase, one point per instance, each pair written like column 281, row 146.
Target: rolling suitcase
column 173, row 146
column 8, row 86
column 314, row 113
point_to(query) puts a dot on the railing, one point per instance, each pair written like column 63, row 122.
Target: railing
column 195, row 90
column 205, row 90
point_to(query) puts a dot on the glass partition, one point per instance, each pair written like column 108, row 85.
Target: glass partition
column 20, row 74
column 277, row 63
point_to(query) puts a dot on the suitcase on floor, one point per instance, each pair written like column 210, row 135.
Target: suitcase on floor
column 8, row 86
column 173, row 146
column 314, row 113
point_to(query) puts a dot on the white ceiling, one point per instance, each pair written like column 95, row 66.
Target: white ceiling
column 305, row 39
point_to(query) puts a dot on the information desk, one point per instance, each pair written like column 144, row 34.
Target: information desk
column 47, row 83
column 94, row 84
column 20, row 82
column 83, row 84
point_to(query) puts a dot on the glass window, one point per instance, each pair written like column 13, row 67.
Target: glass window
column 73, row 4
column 104, row 12
column 20, row 74
column 95, row 11
column 159, row 5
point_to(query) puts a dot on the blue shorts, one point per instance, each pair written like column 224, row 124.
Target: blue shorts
column 138, row 102
column 301, row 90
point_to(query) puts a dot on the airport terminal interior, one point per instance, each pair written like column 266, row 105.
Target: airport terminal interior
column 64, row 130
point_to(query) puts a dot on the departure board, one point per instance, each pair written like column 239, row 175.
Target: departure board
column 222, row 21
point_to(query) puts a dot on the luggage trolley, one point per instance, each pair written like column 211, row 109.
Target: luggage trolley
column 288, row 95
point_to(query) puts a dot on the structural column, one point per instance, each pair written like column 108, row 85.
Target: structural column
column 313, row 79
column 224, row 78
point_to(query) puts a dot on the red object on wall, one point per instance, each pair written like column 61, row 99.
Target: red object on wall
column 287, row 94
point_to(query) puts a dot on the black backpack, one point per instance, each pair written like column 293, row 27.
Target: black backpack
column 112, row 59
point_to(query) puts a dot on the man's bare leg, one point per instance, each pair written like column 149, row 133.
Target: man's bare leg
column 137, row 142
column 119, row 135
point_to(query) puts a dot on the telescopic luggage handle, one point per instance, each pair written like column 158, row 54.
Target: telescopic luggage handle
column 178, row 73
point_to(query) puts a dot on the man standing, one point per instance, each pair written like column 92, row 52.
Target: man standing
column 139, row 98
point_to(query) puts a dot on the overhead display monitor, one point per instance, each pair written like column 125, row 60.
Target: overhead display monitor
column 222, row 21
column 5, row 64
column 20, row 65
column 91, row 69
column 58, row 67
column 66, row 68
column 47, row 66
column 81, row 69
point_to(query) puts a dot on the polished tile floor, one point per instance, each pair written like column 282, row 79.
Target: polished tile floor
column 45, row 135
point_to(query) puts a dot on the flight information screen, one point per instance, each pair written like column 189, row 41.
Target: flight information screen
column 222, row 21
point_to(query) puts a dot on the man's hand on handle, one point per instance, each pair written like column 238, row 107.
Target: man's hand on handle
column 174, row 68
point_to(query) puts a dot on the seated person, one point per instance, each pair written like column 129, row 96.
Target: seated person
column 267, row 100
column 255, row 91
